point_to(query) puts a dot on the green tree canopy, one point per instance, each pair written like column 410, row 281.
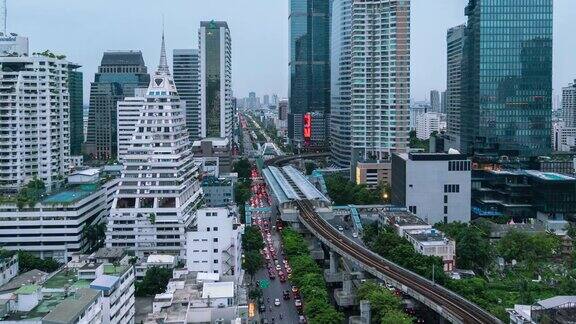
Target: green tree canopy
column 154, row 282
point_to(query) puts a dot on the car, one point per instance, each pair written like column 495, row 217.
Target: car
column 271, row 275
column 286, row 294
column 295, row 289
column 262, row 308
column 282, row 278
column 354, row 234
column 298, row 303
column 278, row 267
column 277, row 302
column 340, row 228
column 302, row 320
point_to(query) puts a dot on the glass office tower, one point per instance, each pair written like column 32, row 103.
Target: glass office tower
column 309, row 65
column 76, row 96
column 507, row 78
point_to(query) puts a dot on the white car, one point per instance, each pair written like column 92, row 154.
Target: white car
column 277, row 302
column 340, row 228
column 278, row 268
column 354, row 234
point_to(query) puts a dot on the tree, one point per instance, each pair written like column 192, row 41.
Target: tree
column 255, row 293
column 309, row 167
column 30, row 194
column 27, row 261
column 154, row 282
column 252, row 239
column 396, row 317
column 381, row 299
column 243, row 168
column 253, row 262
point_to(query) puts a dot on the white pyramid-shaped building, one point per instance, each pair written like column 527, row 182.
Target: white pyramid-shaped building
column 159, row 192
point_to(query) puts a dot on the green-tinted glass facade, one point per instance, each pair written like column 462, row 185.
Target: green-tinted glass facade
column 507, row 77
column 75, row 95
column 213, row 79
column 309, row 91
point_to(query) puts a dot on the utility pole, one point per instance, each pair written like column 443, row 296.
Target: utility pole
column 433, row 282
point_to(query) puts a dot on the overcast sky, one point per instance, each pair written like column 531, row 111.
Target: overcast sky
column 84, row 29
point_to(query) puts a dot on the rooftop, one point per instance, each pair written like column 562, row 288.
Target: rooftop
column 557, row 301
column 160, row 258
column 430, row 235
column 30, row 277
column 109, row 253
column 70, row 309
column 118, row 270
column 66, row 277
column 71, row 195
column 218, row 290
column 212, row 181
column 104, row 282
column 27, row 289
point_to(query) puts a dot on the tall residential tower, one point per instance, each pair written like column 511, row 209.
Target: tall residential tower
column 454, row 47
column 371, row 79
column 215, row 79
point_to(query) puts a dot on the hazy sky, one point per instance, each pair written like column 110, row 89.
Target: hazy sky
column 84, row 29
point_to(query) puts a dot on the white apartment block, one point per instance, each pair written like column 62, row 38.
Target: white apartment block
column 8, row 268
column 433, row 243
column 436, row 187
column 199, row 298
column 54, row 227
column 380, row 78
column 214, row 244
column 215, row 46
column 116, row 282
column 563, row 137
column 428, row 123
column 569, row 104
column 35, row 123
column 159, row 191
column 128, row 112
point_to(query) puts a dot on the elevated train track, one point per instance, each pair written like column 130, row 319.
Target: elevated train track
column 448, row 304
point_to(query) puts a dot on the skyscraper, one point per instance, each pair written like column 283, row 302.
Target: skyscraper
column 309, row 87
column 443, row 102
column 159, row 192
column 569, row 104
column 454, row 47
column 252, row 101
column 118, row 75
column 435, row 100
column 186, row 67
column 266, row 101
column 507, row 78
column 215, row 79
column 370, row 118
column 35, row 125
column 76, row 98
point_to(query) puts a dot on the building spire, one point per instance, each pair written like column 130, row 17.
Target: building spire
column 163, row 67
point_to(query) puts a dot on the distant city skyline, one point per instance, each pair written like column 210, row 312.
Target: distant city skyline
column 254, row 24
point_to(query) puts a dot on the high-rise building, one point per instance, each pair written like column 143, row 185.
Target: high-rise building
column 283, row 109
column 35, row 126
column 370, row 118
column 215, row 79
column 119, row 73
column 159, row 192
column 252, row 101
column 274, row 101
column 443, row 102
column 429, row 123
column 507, row 78
column 266, row 101
column 569, row 104
column 309, row 87
column 435, row 100
column 186, row 67
column 454, row 48
column 76, row 98
column 128, row 111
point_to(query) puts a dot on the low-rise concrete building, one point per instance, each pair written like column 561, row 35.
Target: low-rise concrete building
column 55, row 225
column 199, row 298
column 559, row 309
column 214, row 243
column 213, row 147
column 434, row 243
column 373, row 173
column 218, row 192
